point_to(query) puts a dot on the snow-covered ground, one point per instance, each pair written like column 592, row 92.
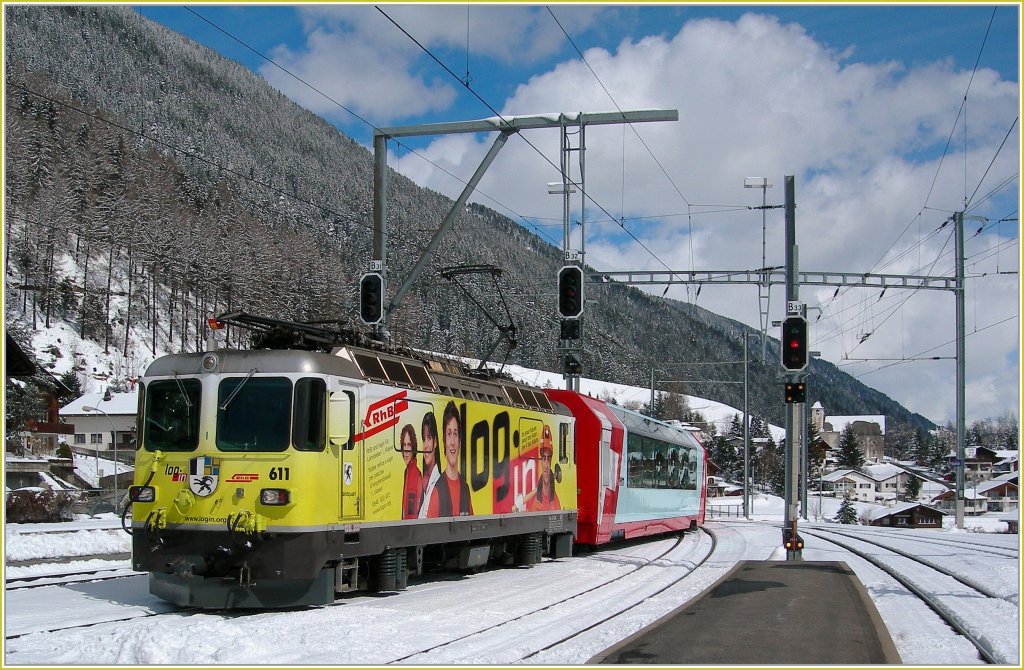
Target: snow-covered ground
column 371, row 630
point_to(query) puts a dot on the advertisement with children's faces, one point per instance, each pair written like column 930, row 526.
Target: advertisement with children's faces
column 429, row 456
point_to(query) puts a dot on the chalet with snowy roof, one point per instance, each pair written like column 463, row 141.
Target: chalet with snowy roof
column 107, row 413
column 974, row 503
column 41, row 433
column 981, row 462
column 852, row 483
column 907, row 515
column 869, row 429
column 104, row 432
column 882, row 482
column 890, row 480
column 1002, row 495
column 1009, row 462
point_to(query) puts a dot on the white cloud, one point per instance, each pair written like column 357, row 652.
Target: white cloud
column 358, row 74
column 358, row 58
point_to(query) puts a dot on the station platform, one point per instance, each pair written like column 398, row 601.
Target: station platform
column 768, row 613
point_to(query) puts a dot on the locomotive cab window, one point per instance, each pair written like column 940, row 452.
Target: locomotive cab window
column 171, row 415
column 309, row 418
column 252, row 414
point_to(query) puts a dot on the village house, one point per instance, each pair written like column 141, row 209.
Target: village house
column 974, row 503
column 41, row 433
column 982, row 463
column 907, row 515
column 105, row 430
column 1001, row 493
column 855, row 484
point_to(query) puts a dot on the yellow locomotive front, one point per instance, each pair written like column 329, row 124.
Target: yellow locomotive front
column 234, row 482
column 278, row 478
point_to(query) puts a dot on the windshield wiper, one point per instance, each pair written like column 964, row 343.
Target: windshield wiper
column 181, row 389
column 237, row 389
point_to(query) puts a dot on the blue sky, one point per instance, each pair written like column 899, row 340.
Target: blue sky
column 865, row 105
column 870, row 34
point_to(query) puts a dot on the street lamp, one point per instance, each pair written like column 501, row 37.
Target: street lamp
column 113, row 440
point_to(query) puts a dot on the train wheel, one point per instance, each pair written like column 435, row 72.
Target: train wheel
column 529, row 549
column 384, row 570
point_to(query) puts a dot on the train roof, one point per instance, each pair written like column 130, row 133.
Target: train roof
column 645, row 425
column 425, row 372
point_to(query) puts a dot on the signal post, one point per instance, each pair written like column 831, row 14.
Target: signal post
column 794, row 362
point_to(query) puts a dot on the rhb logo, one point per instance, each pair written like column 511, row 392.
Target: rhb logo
column 383, row 414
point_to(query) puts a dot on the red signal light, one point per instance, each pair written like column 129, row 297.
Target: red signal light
column 794, row 337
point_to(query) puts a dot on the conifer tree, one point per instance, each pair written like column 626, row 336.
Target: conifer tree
column 850, row 453
column 847, row 511
column 913, row 487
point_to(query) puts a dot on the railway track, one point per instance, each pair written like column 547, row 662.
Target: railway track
column 954, row 599
column 65, row 578
column 972, row 545
column 634, row 556
column 557, row 622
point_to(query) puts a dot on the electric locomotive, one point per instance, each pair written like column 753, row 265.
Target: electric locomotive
column 270, row 478
column 280, row 477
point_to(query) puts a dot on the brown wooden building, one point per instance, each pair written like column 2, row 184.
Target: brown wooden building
column 908, row 515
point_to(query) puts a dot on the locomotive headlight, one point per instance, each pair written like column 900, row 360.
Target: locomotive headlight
column 210, row 362
column 275, row 496
column 141, row 494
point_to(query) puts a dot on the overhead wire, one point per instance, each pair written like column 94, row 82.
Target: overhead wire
column 938, row 346
column 639, row 137
column 981, row 181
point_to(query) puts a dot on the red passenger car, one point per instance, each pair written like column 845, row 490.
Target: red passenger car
column 637, row 476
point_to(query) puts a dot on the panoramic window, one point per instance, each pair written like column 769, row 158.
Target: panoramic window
column 657, row 464
column 172, row 415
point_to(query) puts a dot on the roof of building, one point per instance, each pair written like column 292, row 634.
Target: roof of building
column 845, row 474
column 16, row 362
column 882, row 471
column 119, row 404
column 900, row 508
column 969, row 494
column 984, row 487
